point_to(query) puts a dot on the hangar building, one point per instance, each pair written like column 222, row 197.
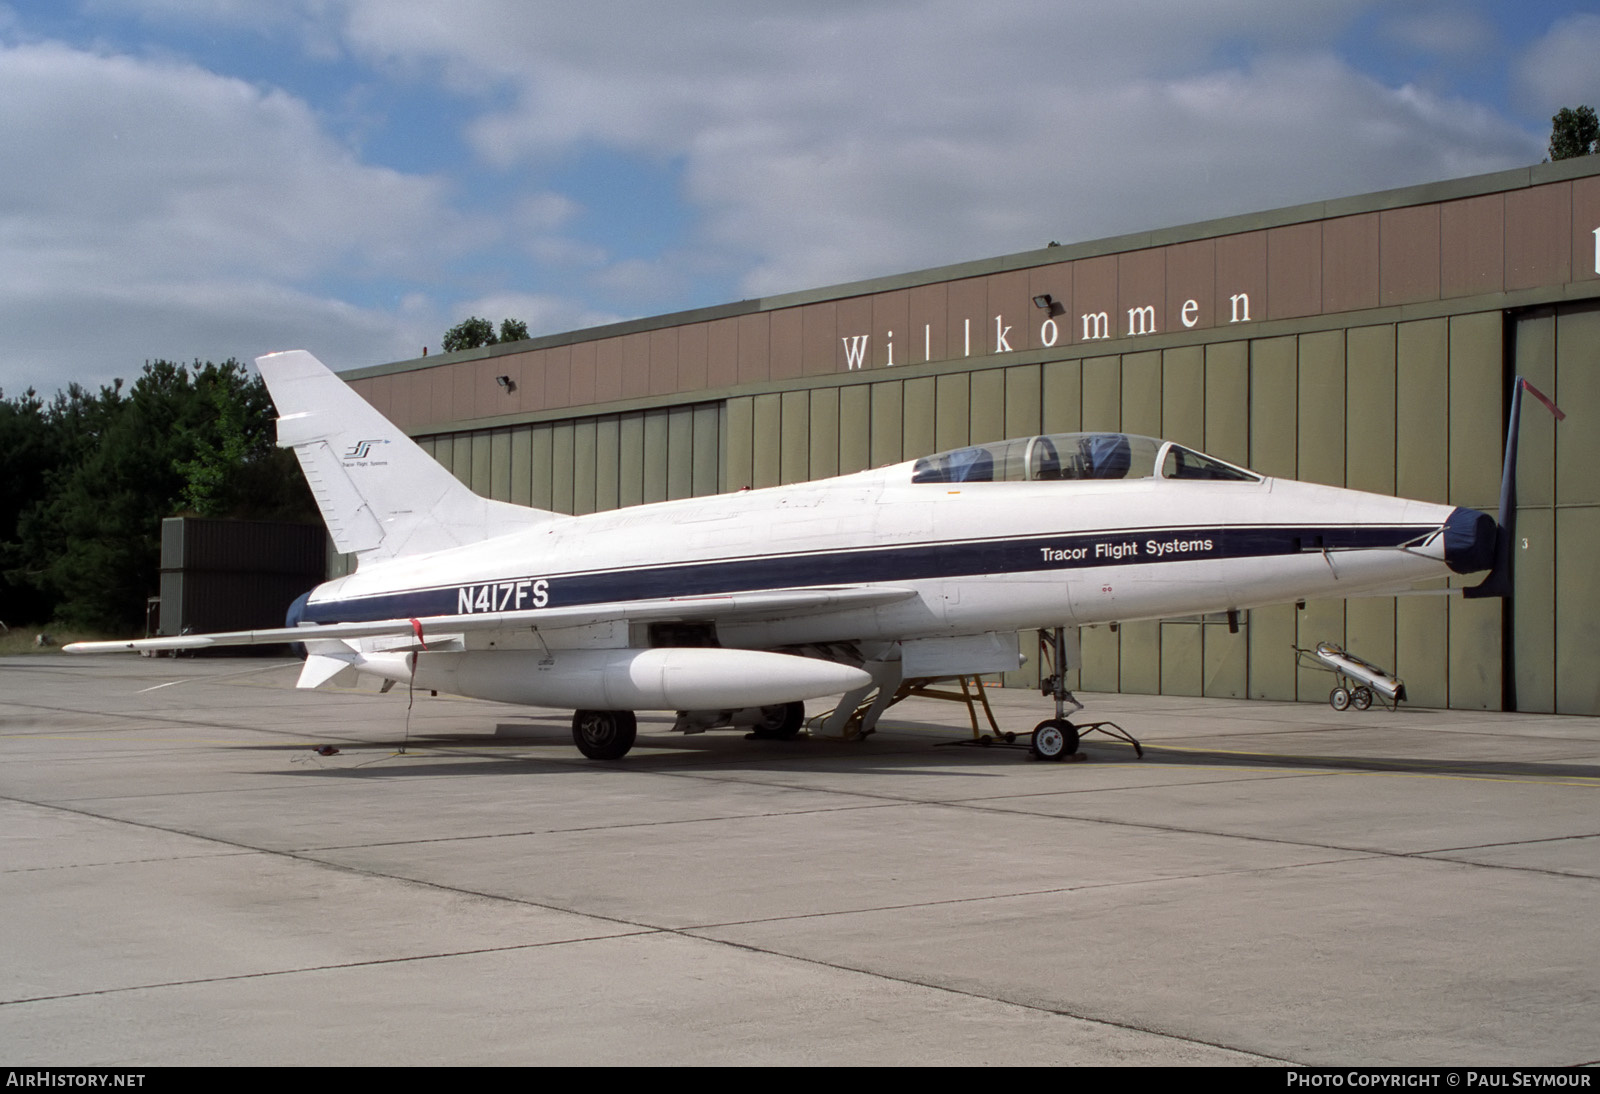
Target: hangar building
column 1365, row 342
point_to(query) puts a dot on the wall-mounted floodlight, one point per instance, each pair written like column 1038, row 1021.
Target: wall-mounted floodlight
column 506, row 383
column 1050, row 304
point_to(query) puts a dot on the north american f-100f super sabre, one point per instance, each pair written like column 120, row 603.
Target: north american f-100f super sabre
column 715, row 607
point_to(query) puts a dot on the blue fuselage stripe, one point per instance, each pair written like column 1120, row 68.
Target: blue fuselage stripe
column 856, row 566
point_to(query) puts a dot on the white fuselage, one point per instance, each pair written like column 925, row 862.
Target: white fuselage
column 983, row 556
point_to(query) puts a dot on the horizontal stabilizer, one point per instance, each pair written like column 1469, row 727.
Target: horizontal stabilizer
column 319, row 669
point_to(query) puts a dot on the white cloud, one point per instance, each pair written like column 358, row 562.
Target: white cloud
column 825, row 143
column 158, row 205
column 1449, row 29
column 814, row 142
column 1559, row 68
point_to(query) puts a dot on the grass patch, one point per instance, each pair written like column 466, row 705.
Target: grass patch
column 20, row 639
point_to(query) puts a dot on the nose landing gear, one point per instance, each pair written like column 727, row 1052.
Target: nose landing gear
column 1056, row 738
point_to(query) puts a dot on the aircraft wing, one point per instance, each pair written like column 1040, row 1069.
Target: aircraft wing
column 750, row 605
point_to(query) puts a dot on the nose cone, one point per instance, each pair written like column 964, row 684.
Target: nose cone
column 1469, row 541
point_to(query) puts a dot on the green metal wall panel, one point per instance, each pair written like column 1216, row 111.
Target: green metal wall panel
column 482, row 480
column 540, row 457
column 1274, row 399
column 1534, row 611
column 824, row 444
column 522, row 465
column 500, row 465
column 739, row 419
column 723, row 428
column 1422, row 385
column 1369, row 409
column 1228, row 402
column 656, row 455
column 952, row 411
column 1141, row 395
column 1102, row 393
column 1101, row 670
column 1141, row 657
column 607, row 454
column 704, row 473
column 1320, row 411
column 561, row 467
column 1422, row 641
column 1061, row 397
column 1577, row 391
column 918, row 438
column 768, row 433
column 855, row 429
column 1578, row 606
column 1272, row 631
column 1183, row 401
column 1023, row 400
column 1182, row 658
column 988, row 399
column 1477, row 400
column 1369, row 629
column 459, row 451
column 1227, row 660
column 680, row 452
column 630, row 459
column 888, row 418
column 1476, row 680
column 794, row 452
column 583, row 466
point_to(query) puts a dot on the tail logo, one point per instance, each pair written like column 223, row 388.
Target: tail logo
column 361, row 449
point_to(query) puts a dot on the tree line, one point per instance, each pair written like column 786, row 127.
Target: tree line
column 90, row 475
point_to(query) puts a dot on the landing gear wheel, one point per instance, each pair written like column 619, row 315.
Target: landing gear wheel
column 604, row 734
column 1339, row 699
column 1054, row 739
column 780, row 722
column 1361, row 698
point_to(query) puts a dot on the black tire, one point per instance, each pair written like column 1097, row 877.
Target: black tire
column 1339, row 699
column 781, row 722
column 1361, row 698
column 1054, row 739
column 604, row 734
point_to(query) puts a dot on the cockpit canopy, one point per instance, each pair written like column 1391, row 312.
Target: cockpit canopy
column 1076, row 456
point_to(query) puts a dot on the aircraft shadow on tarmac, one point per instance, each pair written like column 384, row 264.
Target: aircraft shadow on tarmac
column 893, row 751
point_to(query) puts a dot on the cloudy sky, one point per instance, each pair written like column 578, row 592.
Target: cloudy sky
column 216, row 178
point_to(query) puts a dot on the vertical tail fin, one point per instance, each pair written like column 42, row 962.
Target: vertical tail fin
column 380, row 495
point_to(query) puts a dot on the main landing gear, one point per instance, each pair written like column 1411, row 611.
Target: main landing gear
column 604, row 734
column 610, row 734
column 780, row 723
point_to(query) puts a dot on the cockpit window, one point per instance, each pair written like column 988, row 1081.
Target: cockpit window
column 1181, row 463
column 1075, row 456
